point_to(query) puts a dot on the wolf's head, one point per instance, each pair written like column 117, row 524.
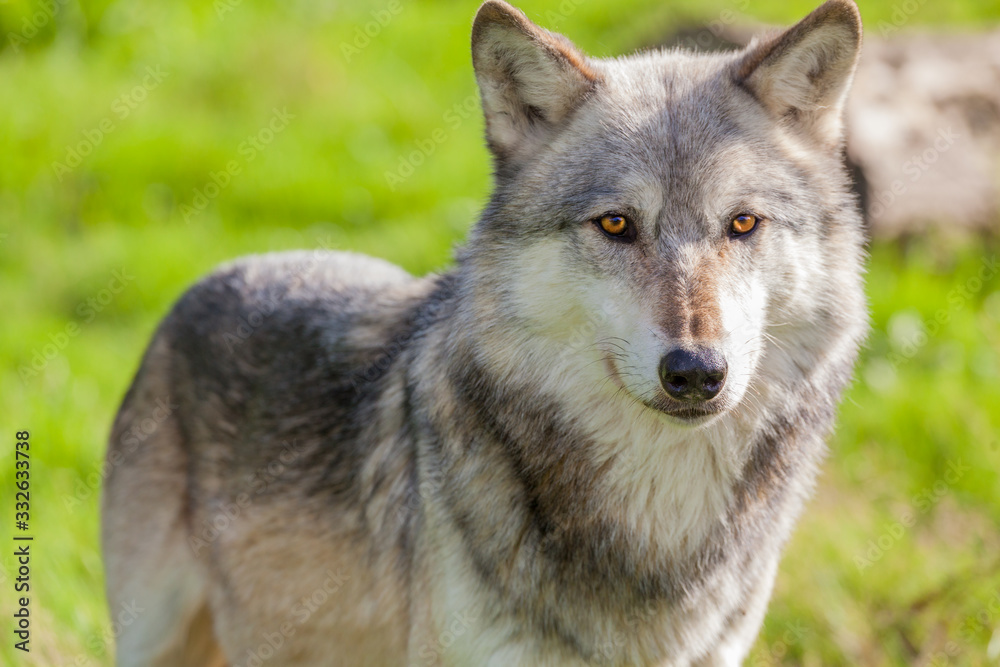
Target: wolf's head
column 679, row 224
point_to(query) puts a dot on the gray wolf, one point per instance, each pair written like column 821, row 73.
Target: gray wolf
column 586, row 444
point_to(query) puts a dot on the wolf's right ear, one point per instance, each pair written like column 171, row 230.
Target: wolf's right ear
column 802, row 75
column 530, row 79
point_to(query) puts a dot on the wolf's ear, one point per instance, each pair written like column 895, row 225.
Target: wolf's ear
column 530, row 79
column 803, row 74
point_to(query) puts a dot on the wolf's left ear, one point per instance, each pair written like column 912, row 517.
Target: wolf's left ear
column 803, row 75
column 530, row 79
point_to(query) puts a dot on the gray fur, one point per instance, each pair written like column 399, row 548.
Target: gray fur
column 436, row 441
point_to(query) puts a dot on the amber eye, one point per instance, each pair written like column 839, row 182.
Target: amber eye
column 743, row 224
column 613, row 225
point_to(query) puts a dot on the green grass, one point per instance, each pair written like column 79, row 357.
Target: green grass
column 322, row 180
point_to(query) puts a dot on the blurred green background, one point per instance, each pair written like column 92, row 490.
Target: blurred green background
column 122, row 125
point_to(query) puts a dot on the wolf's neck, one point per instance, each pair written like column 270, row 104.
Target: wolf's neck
column 582, row 450
column 578, row 506
column 572, row 485
column 570, row 496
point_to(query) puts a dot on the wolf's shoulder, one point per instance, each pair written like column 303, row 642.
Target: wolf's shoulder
column 293, row 346
column 285, row 314
column 309, row 275
column 283, row 289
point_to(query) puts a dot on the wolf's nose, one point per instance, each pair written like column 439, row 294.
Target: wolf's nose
column 693, row 375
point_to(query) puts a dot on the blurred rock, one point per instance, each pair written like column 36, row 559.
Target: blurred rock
column 923, row 126
column 924, row 121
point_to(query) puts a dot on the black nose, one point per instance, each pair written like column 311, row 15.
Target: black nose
column 693, row 375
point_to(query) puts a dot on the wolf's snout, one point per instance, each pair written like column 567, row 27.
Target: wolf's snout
column 693, row 375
